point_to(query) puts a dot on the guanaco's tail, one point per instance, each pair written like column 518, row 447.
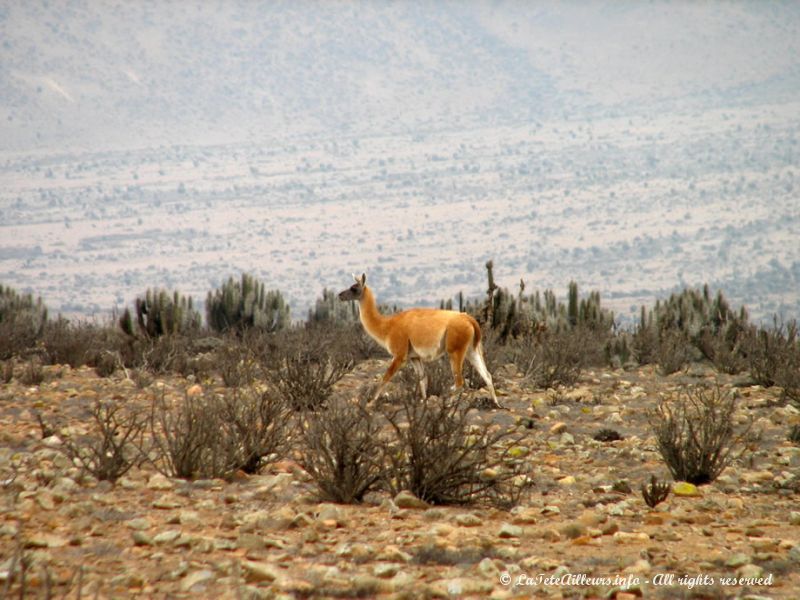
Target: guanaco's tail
column 476, row 328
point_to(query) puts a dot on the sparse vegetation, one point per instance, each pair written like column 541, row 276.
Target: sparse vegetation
column 341, row 449
column 442, row 459
column 303, row 364
column 112, row 447
column 696, row 434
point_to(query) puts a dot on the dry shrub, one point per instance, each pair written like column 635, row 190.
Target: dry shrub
column 7, row 370
column 443, row 459
column 551, row 358
column 213, row 436
column 341, row 451
column 304, row 364
column 255, row 427
column 773, row 356
column 674, row 351
column 32, row 373
column 236, row 359
column 695, row 433
column 113, row 446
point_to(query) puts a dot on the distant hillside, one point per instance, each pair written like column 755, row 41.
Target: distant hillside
column 90, row 73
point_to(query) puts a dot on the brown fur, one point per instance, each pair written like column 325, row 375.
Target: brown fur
column 420, row 335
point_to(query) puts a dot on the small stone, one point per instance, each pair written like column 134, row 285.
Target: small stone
column 568, row 480
column 737, row 560
column 142, row 539
column 794, row 553
column 167, row 537
column 507, row 530
column 640, row 567
column 794, row 518
column 558, row 428
column 330, row 512
column 194, row 391
column 406, row 499
column 566, row 439
column 685, row 489
column 468, row 520
column 386, row 571
column 551, row 509
column 257, row 571
column 189, row 517
column 624, row 537
column 45, row 499
column 139, row 524
column 392, row 553
column 750, row 571
column 196, row 579
column 166, row 502
column 159, row 482
column 488, row 568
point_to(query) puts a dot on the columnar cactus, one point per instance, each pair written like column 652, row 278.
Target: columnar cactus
column 243, row 304
column 161, row 313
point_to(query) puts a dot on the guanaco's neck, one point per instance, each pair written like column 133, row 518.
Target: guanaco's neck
column 371, row 318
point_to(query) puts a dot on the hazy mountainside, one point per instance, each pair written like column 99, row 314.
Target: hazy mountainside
column 633, row 147
column 91, row 73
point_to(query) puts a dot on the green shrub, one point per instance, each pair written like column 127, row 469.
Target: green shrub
column 239, row 305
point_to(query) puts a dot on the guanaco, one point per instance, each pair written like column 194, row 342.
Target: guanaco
column 421, row 335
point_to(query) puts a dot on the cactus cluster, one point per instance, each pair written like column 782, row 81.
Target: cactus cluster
column 244, row 303
column 22, row 320
column 161, row 313
column 329, row 309
column 706, row 325
column 511, row 315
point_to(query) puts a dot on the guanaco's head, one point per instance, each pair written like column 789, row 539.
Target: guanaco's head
column 355, row 291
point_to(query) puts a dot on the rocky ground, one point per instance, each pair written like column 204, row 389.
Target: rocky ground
column 584, row 530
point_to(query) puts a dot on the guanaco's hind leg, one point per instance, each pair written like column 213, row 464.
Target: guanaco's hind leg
column 475, row 358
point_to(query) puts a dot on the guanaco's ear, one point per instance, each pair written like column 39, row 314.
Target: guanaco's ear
column 357, row 280
column 363, row 279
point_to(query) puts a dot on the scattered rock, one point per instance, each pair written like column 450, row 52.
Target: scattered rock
column 507, row 530
column 385, row 571
column 686, row 489
column 196, row 581
column 255, row 572
column 406, row 499
column 468, row 520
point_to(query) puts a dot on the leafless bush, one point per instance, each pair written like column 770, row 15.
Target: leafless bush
column 32, row 373
column 552, row 358
column 112, row 447
column 305, row 364
column 773, row 356
column 442, row 459
column 255, row 426
column 341, row 450
column 724, row 349
column 7, row 371
column 210, row 435
column 674, row 351
column 236, row 359
column 185, row 437
column 695, row 433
